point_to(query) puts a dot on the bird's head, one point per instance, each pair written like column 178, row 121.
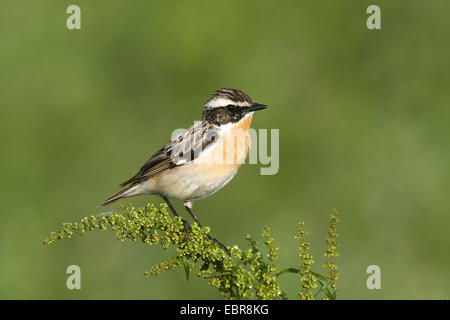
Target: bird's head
column 229, row 106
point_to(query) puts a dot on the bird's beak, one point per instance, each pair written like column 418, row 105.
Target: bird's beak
column 257, row 106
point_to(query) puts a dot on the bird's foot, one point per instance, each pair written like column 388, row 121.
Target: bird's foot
column 187, row 230
column 220, row 244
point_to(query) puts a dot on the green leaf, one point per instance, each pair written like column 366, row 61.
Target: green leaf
column 187, row 269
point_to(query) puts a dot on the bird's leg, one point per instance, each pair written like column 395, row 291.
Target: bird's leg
column 188, row 206
column 187, row 227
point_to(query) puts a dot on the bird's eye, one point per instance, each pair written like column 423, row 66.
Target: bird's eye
column 230, row 107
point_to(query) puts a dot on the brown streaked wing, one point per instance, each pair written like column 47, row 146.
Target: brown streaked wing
column 196, row 139
column 157, row 163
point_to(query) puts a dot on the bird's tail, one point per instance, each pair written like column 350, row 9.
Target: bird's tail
column 119, row 195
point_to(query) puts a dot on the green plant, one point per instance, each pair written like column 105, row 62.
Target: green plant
column 246, row 274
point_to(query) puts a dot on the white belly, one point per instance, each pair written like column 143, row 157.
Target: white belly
column 193, row 181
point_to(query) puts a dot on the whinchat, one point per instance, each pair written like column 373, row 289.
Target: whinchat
column 202, row 159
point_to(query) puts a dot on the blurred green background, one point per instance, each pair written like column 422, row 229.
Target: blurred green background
column 363, row 118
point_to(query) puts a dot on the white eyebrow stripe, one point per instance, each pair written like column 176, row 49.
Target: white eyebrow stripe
column 223, row 102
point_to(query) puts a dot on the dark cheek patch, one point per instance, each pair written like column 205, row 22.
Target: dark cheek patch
column 219, row 116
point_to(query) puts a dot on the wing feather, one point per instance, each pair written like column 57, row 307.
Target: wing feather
column 182, row 149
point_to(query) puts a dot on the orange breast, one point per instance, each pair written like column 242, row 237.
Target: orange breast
column 232, row 148
column 237, row 142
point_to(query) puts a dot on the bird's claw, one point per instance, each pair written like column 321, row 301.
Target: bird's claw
column 187, row 230
column 220, row 244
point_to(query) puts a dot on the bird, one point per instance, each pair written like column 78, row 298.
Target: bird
column 202, row 159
